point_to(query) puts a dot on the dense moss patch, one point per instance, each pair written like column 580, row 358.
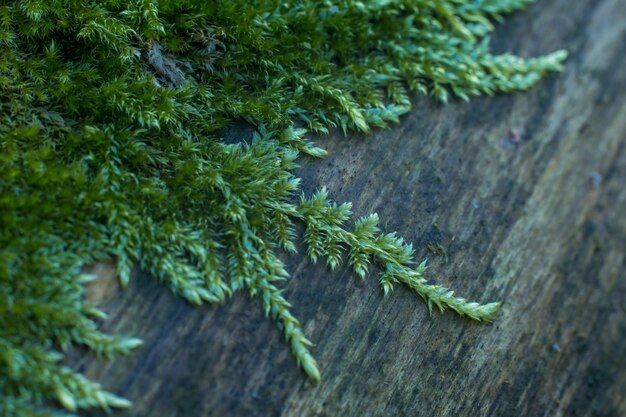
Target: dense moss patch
column 108, row 150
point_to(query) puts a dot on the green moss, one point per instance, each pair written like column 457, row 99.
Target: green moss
column 109, row 149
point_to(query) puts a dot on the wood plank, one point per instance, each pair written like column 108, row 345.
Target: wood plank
column 540, row 226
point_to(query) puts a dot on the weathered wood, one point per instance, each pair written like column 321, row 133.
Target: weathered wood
column 540, row 226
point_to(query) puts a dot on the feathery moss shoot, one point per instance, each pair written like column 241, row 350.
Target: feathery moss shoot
column 110, row 113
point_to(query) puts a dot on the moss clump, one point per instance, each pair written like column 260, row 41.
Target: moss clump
column 109, row 114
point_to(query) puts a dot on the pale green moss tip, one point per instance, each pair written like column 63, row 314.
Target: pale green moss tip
column 115, row 401
column 310, row 367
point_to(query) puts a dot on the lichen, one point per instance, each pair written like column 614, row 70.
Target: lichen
column 110, row 116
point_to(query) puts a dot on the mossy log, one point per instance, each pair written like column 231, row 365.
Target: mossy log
column 518, row 198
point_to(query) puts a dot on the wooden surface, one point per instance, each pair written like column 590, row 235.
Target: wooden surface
column 540, row 226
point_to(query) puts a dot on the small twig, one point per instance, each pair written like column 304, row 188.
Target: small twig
column 164, row 65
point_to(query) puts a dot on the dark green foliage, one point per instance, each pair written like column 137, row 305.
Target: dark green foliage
column 109, row 113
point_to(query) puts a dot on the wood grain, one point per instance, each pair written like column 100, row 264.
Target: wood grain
column 540, row 226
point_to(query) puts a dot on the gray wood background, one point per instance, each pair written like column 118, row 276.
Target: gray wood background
column 540, row 226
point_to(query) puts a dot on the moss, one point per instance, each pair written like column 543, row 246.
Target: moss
column 109, row 149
